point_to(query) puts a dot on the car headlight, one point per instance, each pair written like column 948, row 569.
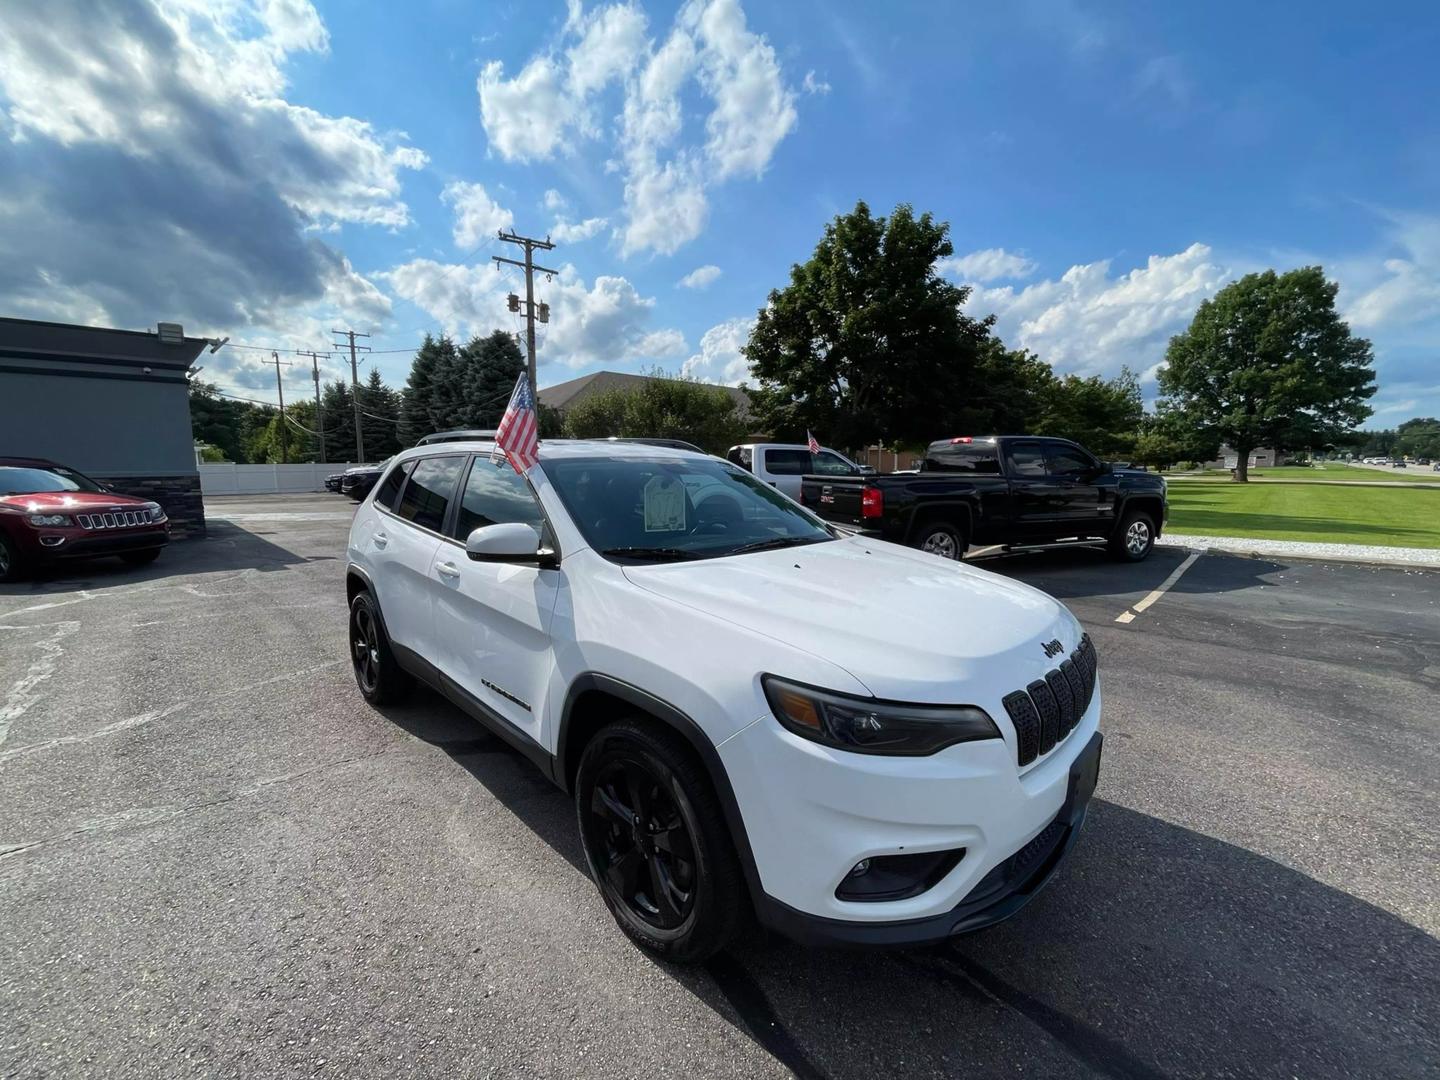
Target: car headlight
column 50, row 519
column 156, row 511
column 867, row 726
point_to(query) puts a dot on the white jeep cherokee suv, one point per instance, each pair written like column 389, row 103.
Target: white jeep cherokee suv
column 857, row 742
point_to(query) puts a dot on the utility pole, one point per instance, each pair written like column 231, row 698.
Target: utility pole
column 355, row 390
column 531, row 246
column 319, row 409
column 280, row 390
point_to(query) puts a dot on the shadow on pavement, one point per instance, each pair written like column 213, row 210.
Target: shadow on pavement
column 228, row 547
column 1157, row 951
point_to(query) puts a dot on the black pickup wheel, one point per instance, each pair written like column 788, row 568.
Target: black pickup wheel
column 942, row 538
column 1134, row 538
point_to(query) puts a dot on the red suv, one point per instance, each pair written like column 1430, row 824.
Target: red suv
column 49, row 512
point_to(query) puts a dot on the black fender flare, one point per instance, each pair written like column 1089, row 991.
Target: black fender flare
column 687, row 729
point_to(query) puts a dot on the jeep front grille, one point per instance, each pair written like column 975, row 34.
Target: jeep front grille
column 1048, row 709
column 116, row 519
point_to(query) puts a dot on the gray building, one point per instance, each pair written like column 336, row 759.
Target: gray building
column 114, row 404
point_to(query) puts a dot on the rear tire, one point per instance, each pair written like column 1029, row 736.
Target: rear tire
column 942, row 538
column 12, row 566
column 1134, row 538
column 141, row 558
column 656, row 843
column 379, row 677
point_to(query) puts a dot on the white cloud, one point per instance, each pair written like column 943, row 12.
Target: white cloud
column 719, row 359
column 992, row 264
column 555, row 202
column 477, row 216
column 1091, row 322
column 605, row 323
column 814, row 85
column 701, row 277
column 155, row 170
column 556, row 99
column 1403, row 289
column 566, row 232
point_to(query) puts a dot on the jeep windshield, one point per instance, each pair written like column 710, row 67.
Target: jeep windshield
column 677, row 509
column 32, row 480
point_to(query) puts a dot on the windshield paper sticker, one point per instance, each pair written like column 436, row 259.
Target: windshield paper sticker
column 664, row 505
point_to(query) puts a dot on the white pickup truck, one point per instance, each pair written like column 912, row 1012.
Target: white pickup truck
column 783, row 465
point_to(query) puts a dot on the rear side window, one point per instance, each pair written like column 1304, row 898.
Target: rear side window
column 787, row 462
column 427, row 496
column 963, row 458
column 740, row 455
column 495, row 494
column 390, row 486
column 1026, row 459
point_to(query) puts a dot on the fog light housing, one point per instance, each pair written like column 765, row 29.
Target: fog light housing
column 897, row 877
column 52, row 541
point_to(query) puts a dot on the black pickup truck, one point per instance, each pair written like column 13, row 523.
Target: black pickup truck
column 1014, row 490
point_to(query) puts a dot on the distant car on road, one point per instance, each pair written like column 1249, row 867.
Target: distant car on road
column 1397, row 464
column 333, row 481
column 50, row 512
column 357, row 481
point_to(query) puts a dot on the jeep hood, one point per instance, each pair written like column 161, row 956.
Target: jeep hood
column 910, row 626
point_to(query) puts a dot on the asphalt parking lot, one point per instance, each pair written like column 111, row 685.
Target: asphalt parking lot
column 216, row 861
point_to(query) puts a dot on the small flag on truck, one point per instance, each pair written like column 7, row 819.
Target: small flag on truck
column 814, row 446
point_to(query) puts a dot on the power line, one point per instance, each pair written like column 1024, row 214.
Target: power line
column 355, row 385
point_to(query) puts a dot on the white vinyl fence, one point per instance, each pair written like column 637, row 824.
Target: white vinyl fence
column 228, row 479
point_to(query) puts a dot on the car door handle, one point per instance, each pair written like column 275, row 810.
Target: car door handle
column 447, row 569
column 381, row 539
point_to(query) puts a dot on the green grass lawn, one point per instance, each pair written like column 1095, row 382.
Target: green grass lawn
column 1335, row 470
column 1319, row 513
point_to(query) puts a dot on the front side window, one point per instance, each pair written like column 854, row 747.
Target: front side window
column 671, row 509
column 431, row 487
column 1062, row 460
column 495, row 495
column 19, row 480
column 829, row 463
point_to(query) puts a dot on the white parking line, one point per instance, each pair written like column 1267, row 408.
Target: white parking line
column 1155, row 594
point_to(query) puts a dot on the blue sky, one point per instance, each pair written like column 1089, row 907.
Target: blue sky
column 267, row 169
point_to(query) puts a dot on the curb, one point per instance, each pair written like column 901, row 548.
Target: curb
column 1232, row 548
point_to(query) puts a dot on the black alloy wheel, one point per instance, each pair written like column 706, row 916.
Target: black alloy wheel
column 10, row 568
column 656, row 841
column 645, row 855
column 379, row 677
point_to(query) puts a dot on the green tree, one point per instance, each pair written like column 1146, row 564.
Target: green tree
column 380, row 417
column 664, row 407
column 419, row 389
column 1419, row 437
column 1102, row 415
column 1269, row 361
column 218, row 421
column 1008, row 397
column 867, row 341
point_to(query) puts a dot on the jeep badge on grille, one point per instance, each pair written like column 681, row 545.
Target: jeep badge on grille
column 1053, row 648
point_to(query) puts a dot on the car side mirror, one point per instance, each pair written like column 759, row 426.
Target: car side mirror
column 509, row 542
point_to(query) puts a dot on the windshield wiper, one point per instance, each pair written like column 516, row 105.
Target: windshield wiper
column 659, row 554
column 776, row 542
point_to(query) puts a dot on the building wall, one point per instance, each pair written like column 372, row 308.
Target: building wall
column 114, row 404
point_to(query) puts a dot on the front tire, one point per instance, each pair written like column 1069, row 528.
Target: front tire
column 944, row 539
column 1135, row 538
column 379, row 677
column 656, row 843
column 12, row 566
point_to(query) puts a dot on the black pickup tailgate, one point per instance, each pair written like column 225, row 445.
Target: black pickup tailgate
column 834, row 498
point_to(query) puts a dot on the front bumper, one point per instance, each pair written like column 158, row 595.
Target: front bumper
column 82, row 544
column 1000, row 894
column 811, row 813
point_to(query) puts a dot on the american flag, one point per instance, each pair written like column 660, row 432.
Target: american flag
column 519, row 431
column 814, row 446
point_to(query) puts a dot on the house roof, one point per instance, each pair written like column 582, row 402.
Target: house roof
column 563, row 395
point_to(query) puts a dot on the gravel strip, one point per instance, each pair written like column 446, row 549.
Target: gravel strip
column 1367, row 553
